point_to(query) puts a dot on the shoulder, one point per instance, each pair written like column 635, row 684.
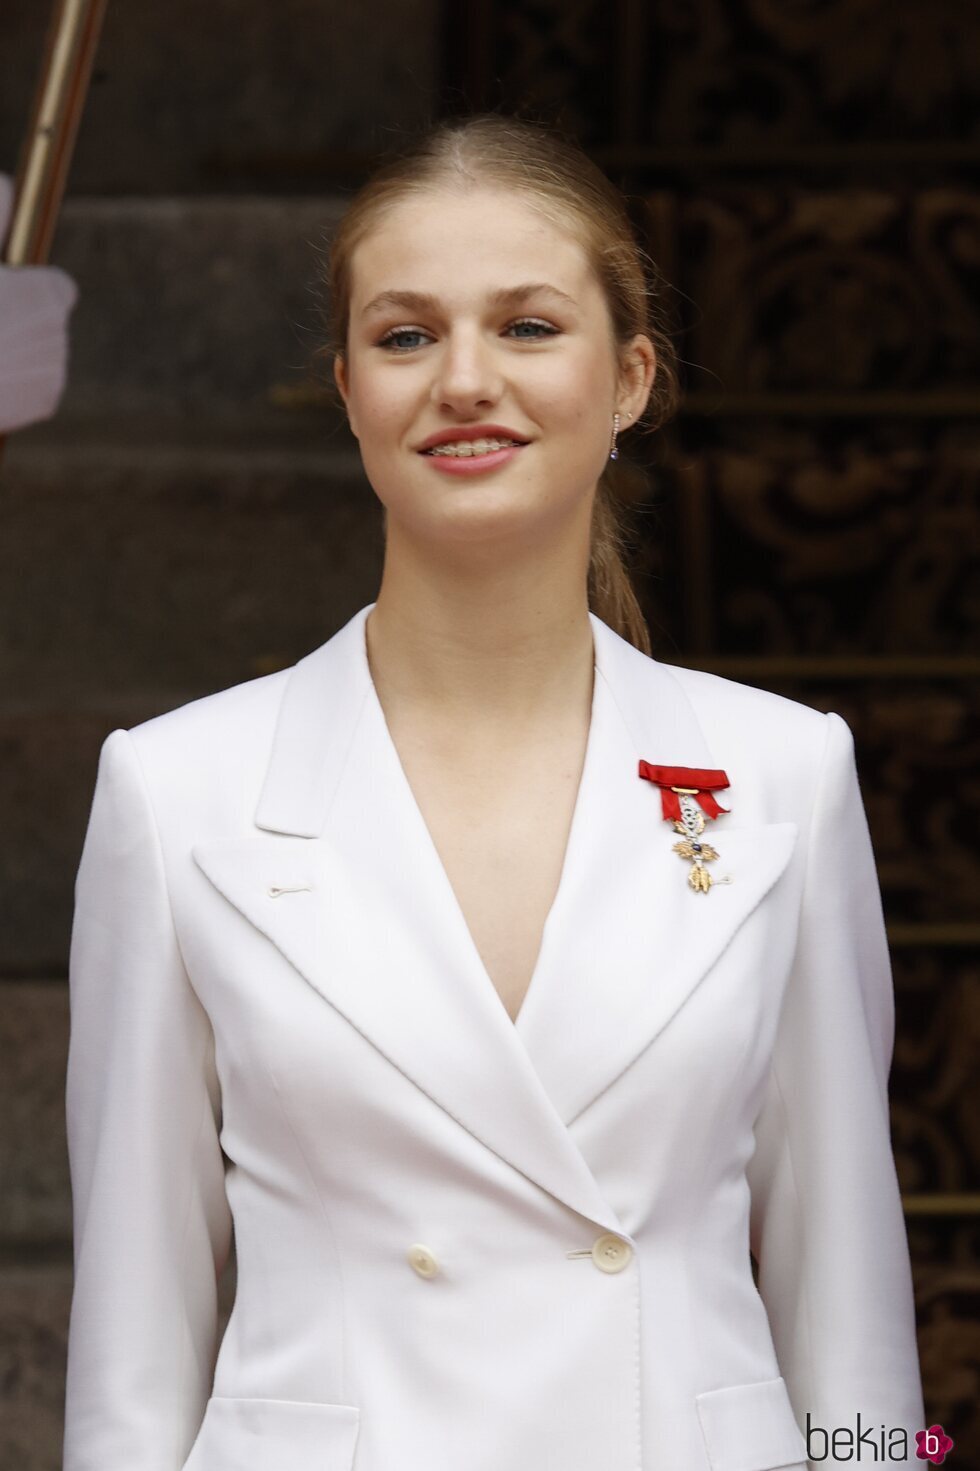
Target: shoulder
column 774, row 747
column 205, row 760
column 721, row 703
column 228, row 719
column 771, row 746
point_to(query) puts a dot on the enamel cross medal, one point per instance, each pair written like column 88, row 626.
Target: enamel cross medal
column 685, row 793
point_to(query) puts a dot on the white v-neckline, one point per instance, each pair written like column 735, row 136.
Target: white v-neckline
column 574, row 839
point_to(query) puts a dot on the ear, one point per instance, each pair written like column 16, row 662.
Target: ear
column 340, row 378
column 637, row 372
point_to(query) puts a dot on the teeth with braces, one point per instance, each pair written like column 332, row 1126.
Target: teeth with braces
column 471, row 447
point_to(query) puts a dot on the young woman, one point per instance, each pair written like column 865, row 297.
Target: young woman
column 500, row 985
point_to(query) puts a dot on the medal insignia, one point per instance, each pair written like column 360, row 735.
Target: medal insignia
column 686, row 799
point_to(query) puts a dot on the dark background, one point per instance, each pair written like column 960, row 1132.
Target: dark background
column 806, row 175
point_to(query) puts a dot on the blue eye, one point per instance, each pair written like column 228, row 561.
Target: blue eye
column 390, row 339
column 393, row 339
column 544, row 327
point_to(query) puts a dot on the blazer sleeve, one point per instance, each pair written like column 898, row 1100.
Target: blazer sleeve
column 826, row 1225
column 152, row 1227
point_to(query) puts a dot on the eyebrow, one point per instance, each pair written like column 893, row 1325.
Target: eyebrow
column 503, row 296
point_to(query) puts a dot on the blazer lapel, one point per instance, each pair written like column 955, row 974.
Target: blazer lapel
column 348, row 885
column 345, row 880
column 628, row 940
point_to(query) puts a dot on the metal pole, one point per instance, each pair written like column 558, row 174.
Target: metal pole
column 59, row 100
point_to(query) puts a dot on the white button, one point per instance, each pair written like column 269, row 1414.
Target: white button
column 423, row 1260
column 611, row 1253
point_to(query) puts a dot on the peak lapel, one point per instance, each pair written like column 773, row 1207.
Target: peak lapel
column 366, row 913
column 346, row 882
column 628, row 940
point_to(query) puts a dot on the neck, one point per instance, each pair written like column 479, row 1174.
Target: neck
column 511, row 647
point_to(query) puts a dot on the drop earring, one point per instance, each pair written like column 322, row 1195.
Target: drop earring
column 613, row 451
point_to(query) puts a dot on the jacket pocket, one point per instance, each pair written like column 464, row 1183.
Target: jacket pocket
column 750, row 1427
column 274, row 1435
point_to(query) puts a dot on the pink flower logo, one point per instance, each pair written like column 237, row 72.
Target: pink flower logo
column 932, row 1445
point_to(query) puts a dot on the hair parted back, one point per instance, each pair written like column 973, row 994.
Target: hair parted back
column 563, row 183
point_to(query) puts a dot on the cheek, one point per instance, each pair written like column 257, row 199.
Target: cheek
column 573, row 393
column 380, row 403
column 381, row 422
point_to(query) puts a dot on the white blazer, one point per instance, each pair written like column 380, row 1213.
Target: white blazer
column 465, row 1244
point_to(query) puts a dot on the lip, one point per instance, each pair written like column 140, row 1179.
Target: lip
column 474, row 464
column 471, row 431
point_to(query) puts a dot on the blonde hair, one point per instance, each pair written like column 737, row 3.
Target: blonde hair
column 567, row 187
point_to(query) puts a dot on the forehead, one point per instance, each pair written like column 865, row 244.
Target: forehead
column 457, row 243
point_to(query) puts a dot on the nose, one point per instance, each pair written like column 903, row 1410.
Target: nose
column 467, row 375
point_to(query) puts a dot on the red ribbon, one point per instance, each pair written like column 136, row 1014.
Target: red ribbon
column 704, row 781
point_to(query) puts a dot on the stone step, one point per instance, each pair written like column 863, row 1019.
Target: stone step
column 191, row 566
column 205, row 309
column 34, row 1304
column 35, row 1200
column 192, row 98
column 130, row 583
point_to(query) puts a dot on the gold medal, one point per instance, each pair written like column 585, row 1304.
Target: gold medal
column 692, row 826
column 684, row 807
